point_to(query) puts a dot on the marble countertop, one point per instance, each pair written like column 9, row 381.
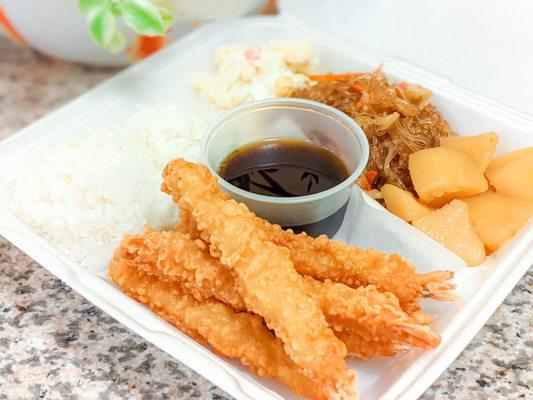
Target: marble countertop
column 56, row 345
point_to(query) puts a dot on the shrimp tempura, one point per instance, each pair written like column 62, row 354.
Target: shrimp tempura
column 265, row 276
column 230, row 333
column 323, row 259
column 372, row 323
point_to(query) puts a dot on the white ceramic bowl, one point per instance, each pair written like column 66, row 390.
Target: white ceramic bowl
column 57, row 28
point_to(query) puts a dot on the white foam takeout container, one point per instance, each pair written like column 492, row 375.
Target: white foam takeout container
column 163, row 78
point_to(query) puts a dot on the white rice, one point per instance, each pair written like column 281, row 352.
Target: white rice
column 102, row 183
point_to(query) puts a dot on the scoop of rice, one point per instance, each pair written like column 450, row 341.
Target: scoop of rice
column 100, row 183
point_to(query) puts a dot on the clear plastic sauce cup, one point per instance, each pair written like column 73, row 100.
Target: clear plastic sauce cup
column 319, row 213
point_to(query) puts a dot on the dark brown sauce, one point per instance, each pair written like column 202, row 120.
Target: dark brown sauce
column 283, row 168
column 287, row 168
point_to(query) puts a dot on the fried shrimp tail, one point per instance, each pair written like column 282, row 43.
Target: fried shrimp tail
column 265, row 275
column 436, row 285
column 371, row 315
column 232, row 334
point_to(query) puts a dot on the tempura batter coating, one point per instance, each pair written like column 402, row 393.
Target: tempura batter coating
column 429, row 281
column 323, row 259
column 371, row 323
column 265, row 276
column 179, row 258
column 370, row 314
column 232, row 334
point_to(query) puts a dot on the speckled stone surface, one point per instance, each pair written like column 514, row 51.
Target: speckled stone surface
column 56, row 345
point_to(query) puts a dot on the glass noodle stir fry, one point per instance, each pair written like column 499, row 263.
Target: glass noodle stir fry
column 397, row 119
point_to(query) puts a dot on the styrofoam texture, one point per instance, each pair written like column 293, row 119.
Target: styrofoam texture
column 164, row 77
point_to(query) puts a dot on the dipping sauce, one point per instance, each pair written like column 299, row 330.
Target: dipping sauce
column 287, row 168
column 283, row 168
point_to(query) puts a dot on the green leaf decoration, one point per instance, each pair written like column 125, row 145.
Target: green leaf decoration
column 145, row 17
column 117, row 43
column 103, row 27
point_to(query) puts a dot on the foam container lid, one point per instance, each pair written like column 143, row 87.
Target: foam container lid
column 481, row 45
column 367, row 224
